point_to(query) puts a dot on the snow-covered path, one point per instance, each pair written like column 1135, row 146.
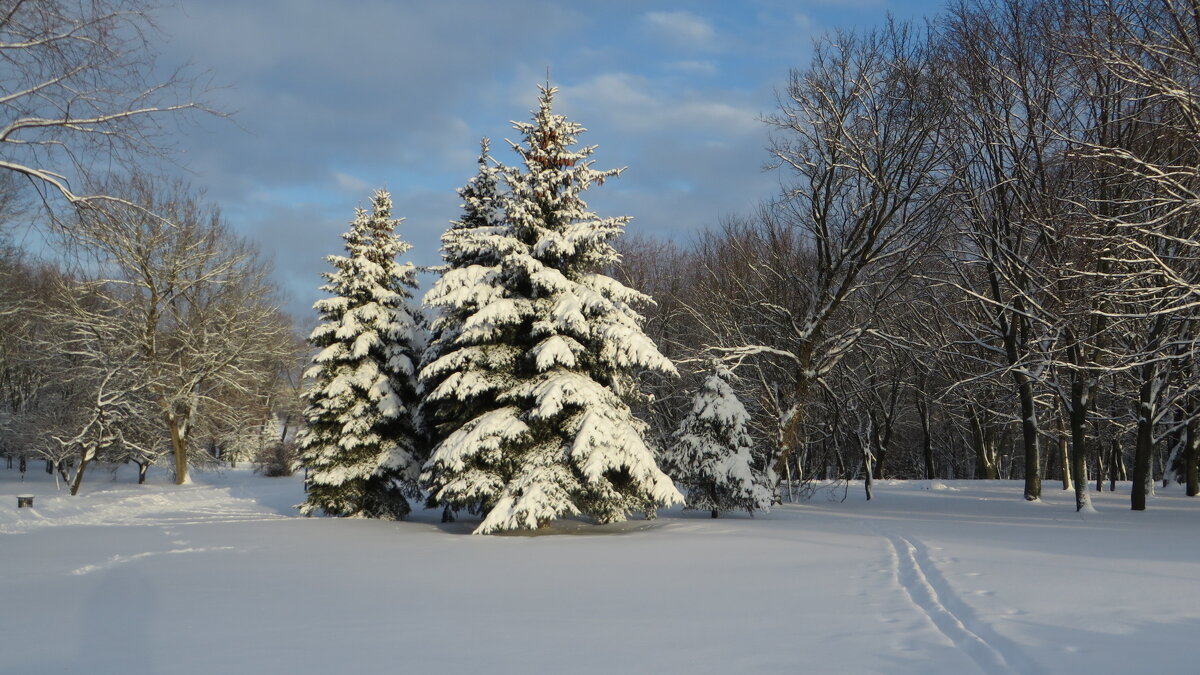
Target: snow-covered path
column 219, row 577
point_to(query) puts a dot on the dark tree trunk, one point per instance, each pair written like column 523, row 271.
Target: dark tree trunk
column 926, row 436
column 1064, row 458
column 1143, row 451
column 1029, row 433
column 1190, row 456
column 868, row 486
column 984, row 438
column 1078, row 419
column 1116, row 465
column 927, row 450
column 1176, row 441
column 1016, row 331
column 882, row 441
column 83, row 463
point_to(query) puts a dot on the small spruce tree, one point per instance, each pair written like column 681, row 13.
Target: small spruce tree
column 542, row 367
column 713, row 452
column 360, row 444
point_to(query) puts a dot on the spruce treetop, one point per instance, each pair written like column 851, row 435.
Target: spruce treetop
column 467, row 242
column 547, row 208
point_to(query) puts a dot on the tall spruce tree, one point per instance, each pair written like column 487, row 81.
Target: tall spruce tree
column 713, row 452
column 360, row 444
column 544, row 363
column 459, row 374
column 467, row 282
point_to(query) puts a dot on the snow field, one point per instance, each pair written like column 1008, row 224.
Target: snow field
column 221, row 576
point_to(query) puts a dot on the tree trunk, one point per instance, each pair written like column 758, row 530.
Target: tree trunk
column 75, row 482
column 880, row 458
column 1064, row 458
column 788, row 476
column 867, row 467
column 985, row 449
column 143, row 467
column 791, row 432
column 1191, row 471
column 1116, row 465
column 1078, row 419
column 1177, row 440
column 180, row 447
column 926, row 442
column 1142, row 454
column 1029, row 433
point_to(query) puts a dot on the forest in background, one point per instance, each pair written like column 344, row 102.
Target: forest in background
column 982, row 263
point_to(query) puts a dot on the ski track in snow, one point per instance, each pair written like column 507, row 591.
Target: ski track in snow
column 121, row 559
column 928, row 590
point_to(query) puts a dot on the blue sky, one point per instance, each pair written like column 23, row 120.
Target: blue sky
column 333, row 99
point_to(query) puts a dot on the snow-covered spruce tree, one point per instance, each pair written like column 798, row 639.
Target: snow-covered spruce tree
column 713, row 452
column 545, row 358
column 460, row 376
column 360, row 444
column 467, row 283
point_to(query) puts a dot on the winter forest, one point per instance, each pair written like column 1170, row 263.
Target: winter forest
column 973, row 301
column 981, row 263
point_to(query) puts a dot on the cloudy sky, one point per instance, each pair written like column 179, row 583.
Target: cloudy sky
column 333, row 99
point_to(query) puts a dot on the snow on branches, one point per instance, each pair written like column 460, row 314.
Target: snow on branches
column 530, row 374
column 713, row 452
column 360, row 445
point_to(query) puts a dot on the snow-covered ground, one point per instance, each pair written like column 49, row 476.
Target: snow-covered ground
column 222, row 577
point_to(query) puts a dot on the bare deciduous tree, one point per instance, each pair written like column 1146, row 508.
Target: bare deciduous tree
column 193, row 298
column 80, row 90
column 860, row 136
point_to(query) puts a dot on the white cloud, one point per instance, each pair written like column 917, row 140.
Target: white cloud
column 694, row 67
column 373, row 86
column 331, row 105
column 352, row 184
column 633, row 104
column 682, row 29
